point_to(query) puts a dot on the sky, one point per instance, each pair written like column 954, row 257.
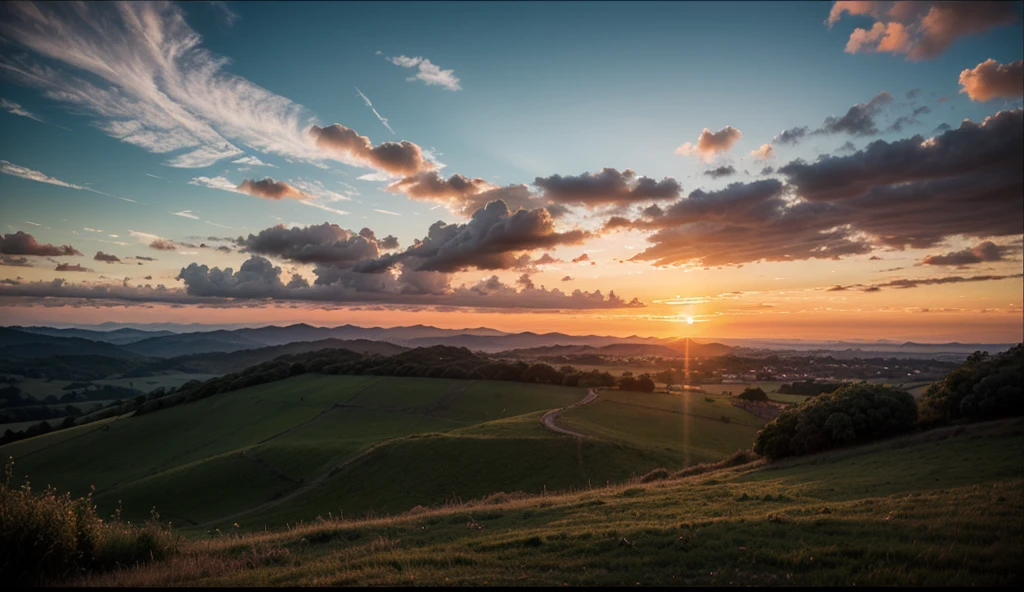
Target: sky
column 810, row 170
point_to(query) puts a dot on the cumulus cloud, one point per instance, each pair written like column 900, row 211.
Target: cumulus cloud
column 106, row 258
column 428, row 72
column 710, row 144
column 22, row 243
column 920, row 30
column 163, row 245
column 992, row 80
column 431, row 185
column 764, row 152
column 397, row 158
column 270, row 189
column 260, row 281
column 493, row 238
column 859, row 120
column 722, row 171
column 70, row 267
column 983, row 252
column 567, row 278
column 915, row 192
column 14, row 261
column 326, row 244
column 606, row 187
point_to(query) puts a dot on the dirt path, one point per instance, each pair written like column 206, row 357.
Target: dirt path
column 549, row 418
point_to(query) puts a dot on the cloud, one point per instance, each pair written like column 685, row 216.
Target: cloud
column 764, row 152
column 12, row 169
column 915, row 192
column 101, row 256
column 567, row 278
column 492, row 239
column 920, row 30
column 326, row 244
column 722, row 171
column 791, row 135
column 16, row 109
column 258, row 280
column 397, row 158
column 186, row 214
column 431, row 185
column 710, row 144
column 251, row 161
column 15, row 261
column 215, row 183
column 70, row 267
column 581, row 258
column 163, row 245
column 606, row 187
column 767, row 171
column 270, row 189
column 859, row 120
column 904, row 284
column 992, row 80
column 22, row 243
column 983, row 252
column 428, row 72
column 941, row 128
column 383, row 120
column 897, row 126
column 230, row 16
column 746, row 222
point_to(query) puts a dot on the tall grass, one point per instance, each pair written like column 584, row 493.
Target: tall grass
column 46, row 537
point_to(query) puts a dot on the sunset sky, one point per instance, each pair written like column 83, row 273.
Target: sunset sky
column 784, row 170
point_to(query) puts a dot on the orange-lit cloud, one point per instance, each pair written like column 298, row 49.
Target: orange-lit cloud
column 992, row 80
column 710, row 144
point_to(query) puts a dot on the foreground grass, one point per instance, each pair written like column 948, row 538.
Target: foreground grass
column 941, row 508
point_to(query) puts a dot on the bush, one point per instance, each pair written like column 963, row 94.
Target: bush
column 852, row 414
column 48, row 538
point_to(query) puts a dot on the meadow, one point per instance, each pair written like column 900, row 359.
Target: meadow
column 939, row 508
column 316, row 445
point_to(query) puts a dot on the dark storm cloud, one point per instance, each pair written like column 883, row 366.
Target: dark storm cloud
column 326, row 243
column 722, row 171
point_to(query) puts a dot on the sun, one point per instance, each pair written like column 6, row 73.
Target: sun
column 689, row 320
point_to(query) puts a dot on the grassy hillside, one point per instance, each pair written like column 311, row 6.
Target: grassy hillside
column 312, row 444
column 940, row 508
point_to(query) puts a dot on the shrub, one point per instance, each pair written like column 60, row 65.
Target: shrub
column 47, row 538
column 851, row 414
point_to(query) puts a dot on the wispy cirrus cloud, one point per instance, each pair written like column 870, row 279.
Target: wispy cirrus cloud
column 383, row 120
column 428, row 72
column 142, row 72
column 9, row 168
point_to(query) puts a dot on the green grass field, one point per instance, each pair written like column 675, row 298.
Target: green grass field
column 352, row 445
column 940, row 508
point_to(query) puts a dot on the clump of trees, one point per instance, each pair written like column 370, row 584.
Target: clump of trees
column 852, row 414
column 984, row 387
column 639, row 384
column 809, row 388
column 753, row 394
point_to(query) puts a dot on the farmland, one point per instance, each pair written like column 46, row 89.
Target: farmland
column 313, row 444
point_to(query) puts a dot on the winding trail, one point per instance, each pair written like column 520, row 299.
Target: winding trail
column 549, row 418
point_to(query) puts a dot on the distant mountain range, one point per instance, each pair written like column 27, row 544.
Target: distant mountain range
column 168, row 340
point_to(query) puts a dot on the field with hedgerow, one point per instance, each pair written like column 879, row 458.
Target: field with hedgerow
column 378, row 480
